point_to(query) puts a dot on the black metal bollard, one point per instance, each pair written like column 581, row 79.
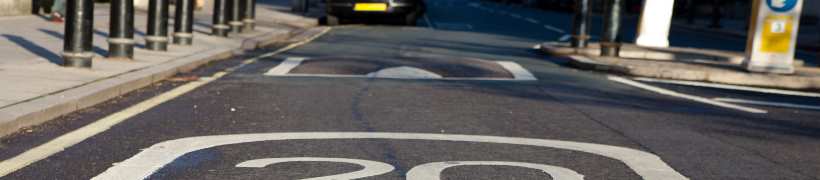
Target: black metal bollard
column 121, row 30
column 184, row 22
column 717, row 14
column 235, row 16
column 157, row 36
column 580, row 24
column 249, row 15
column 78, row 34
column 220, row 21
column 612, row 24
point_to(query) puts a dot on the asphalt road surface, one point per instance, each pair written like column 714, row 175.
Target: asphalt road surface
column 461, row 96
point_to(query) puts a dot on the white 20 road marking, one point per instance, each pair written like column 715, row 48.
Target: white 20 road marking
column 148, row 161
column 429, row 171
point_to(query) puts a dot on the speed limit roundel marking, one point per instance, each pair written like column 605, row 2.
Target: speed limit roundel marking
column 145, row 163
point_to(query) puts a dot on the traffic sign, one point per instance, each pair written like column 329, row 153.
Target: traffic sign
column 781, row 5
column 771, row 42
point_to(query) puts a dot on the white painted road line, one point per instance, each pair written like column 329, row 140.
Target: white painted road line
column 684, row 96
column 765, row 103
column 429, row 23
column 286, row 66
column 60, row 143
column 517, row 16
column 519, row 72
column 371, row 168
column 731, row 87
column 454, row 26
column 432, row 171
column 553, row 28
column 566, row 37
column 69, row 139
column 148, row 161
column 531, row 20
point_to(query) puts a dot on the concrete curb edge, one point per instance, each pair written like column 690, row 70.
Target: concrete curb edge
column 743, row 79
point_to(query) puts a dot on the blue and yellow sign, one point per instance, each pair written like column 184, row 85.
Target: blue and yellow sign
column 771, row 44
column 781, row 5
column 777, row 34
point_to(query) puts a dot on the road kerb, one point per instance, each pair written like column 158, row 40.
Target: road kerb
column 48, row 107
column 694, row 73
column 738, row 78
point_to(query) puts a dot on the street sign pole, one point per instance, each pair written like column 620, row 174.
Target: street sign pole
column 121, row 30
column 580, row 24
column 156, row 38
column 656, row 18
column 78, row 37
column 772, row 37
column 612, row 24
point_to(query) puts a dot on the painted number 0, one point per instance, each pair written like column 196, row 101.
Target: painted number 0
column 429, row 171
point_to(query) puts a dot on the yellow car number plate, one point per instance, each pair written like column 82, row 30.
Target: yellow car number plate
column 370, row 7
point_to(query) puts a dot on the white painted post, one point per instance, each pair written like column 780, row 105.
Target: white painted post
column 773, row 36
column 141, row 4
column 653, row 31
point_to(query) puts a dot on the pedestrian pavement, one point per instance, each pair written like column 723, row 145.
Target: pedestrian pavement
column 36, row 88
column 808, row 36
column 688, row 64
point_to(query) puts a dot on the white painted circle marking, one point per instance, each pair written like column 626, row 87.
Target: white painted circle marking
column 145, row 163
column 433, row 170
column 371, row 168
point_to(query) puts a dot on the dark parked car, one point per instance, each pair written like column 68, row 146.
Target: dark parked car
column 404, row 11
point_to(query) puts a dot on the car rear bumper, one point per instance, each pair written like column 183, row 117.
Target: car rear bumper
column 346, row 8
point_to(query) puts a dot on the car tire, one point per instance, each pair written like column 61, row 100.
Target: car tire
column 333, row 20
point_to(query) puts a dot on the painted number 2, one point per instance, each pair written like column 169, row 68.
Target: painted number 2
column 778, row 27
column 429, row 171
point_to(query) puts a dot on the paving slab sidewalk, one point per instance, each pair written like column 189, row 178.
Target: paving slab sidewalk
column 808, row 35
column 36, row 89
column 684, row 64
